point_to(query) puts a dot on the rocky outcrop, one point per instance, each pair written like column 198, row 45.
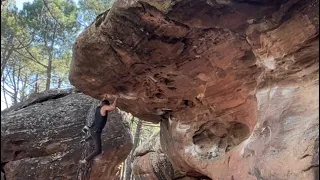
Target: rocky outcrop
column 40, row 138
column 282, row 145
column 151, row 163
column 235, row 76
column 116, row 144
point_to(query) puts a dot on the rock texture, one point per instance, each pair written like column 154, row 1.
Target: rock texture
column 235, row 75
column 151, row 163
column 282, row 145
column 40, row 138
column 116, row 144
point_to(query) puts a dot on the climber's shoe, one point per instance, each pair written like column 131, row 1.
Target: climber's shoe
column 83, row 161
column 85, row 129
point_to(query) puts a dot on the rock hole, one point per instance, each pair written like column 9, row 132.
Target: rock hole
column 196, row 175
column 17, row 142
column 171, row 75
column 221, row 73
column 214, row 138
column 248, row 55
column 166, row 81
column 188, row 103
column 16, row 153
column 172, row 88
column 3, row 174
column 159, row 95
column 2, row 166
column 121, row 89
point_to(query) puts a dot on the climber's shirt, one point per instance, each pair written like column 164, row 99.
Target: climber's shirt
column 99, row 121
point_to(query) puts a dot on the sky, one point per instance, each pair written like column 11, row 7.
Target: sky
column 19, row 3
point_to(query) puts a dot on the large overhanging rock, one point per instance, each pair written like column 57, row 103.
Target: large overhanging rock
column 40, row 138
column 283, row 145
column 194, row 56
column 211, row 64
column 175, row 60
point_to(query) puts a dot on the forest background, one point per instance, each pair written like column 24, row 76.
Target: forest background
column 36, row 51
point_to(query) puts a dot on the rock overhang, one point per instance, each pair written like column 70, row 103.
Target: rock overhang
column 218, row 67
column 186, row 56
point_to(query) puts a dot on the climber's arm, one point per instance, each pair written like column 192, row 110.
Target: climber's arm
column 112, row 106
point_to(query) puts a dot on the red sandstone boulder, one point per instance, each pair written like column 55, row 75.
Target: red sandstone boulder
column 240, row 79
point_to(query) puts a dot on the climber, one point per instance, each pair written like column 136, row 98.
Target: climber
column 96, row 128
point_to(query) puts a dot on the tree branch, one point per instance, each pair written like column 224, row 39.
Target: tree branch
column 31, row 58
column 46, row 5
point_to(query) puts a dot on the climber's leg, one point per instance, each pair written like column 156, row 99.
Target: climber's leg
column 86, row 139
column 96, row 136
column 87, row 131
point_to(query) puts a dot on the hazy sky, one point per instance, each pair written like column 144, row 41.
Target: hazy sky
column 19, row 3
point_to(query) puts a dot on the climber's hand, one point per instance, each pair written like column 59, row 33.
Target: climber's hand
column 116, row 96
column 105, row 96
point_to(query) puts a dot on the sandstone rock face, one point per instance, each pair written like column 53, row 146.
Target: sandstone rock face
column 240, row 79
column 151, row 163
column 116, row 144
column 40, row 138
column 283, row 144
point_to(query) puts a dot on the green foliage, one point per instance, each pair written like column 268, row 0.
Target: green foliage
column 38, row 40
column 147, row 131
column 90, row 9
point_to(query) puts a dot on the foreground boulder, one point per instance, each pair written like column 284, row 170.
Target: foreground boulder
column 116, row 144
column 151, row 163
column 40, row 139
column 236, row 77
column 284, row 144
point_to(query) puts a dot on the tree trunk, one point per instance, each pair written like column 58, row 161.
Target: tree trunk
column 49, row 67
column 23, row 88
column 14, row 84
column 4, row 93
column 126, row 164
column 17, row 88
column 36, row 85
column 6, row 55
column 135, row 144
column 123, row 170
column 59, row 83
